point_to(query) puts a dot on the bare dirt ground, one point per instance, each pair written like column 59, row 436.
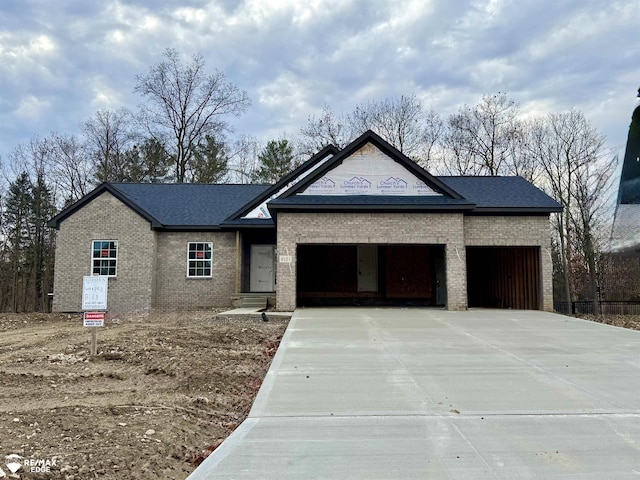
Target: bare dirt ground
column 626, row 321
column 163, row 391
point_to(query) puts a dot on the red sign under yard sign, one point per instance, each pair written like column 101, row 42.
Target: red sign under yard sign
column 94, row 319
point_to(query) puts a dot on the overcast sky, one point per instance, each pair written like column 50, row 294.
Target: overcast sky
column 62, row 60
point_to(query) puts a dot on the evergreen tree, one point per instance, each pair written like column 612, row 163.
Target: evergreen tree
column 29, row 243
column 16, row 219
column 210, row 161
column 275, row 161
column 148, row 163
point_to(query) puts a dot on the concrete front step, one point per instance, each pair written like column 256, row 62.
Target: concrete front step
column 254, row 302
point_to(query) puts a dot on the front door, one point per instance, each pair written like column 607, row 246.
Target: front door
column 367, row 268
column 262, row 271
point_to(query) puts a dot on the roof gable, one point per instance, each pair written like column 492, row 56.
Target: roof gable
column 368, row 171
column 371, row 166
column 174, row 206
column 99, row 190
column 257, row 209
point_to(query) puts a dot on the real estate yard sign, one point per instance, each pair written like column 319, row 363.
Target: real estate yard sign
column 94, row 297
column 94, row 293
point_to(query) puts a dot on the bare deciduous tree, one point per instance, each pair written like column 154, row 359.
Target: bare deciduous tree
column 183, row 104
column 400, row 121
column 71, row 170
column 108, row 136
column 243, row 159
column 576, row 171
column 480, row 139
column 327, row 129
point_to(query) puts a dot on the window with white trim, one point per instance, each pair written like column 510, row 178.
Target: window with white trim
column 104, row 257
column 199, row 259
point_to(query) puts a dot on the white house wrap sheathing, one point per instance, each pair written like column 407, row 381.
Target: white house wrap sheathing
column 369, row 172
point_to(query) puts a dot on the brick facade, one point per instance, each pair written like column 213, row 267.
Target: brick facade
column 152, row 266
column 455, row 231
column 105, row 218
column 525, row 231
column 377, row 228
column 174, row 290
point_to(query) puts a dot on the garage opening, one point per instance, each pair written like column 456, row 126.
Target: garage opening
column 504, row 277
column 371, row 274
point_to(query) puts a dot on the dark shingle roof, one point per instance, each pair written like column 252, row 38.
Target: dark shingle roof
column 481, row 194
column 189, row 205
column 176, row 205
column 209, row 207
column 502, row 194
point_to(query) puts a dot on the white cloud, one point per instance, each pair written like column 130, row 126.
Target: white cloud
column 31, row 108
column 293, row 57
column 22, row 51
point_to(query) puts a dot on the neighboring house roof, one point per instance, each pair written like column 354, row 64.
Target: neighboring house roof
column 629, row 191
column 625, row 234
column 181, row 206
column 626, row 228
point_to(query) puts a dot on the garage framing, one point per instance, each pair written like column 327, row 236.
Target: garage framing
column 504, row 277
column 370, row 274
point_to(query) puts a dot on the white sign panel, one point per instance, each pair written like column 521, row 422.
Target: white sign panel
column 94, row 293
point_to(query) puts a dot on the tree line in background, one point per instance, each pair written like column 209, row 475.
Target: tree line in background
column 181, row 133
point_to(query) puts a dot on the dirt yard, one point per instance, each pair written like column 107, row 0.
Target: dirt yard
column 162, row 391
column 625, row 321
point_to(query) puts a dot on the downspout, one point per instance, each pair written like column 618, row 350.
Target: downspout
column 237, row 287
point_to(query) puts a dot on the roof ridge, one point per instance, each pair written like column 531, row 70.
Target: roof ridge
column 194, row 184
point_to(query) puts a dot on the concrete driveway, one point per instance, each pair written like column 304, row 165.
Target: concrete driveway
column 359, row 393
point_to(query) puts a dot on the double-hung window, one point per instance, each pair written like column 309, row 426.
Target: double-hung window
column 104, row 257
column 199, row 259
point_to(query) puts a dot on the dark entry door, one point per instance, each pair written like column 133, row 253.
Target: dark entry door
column 408, row 271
